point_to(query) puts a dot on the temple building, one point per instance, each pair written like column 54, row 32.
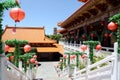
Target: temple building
column 46, row 49
column 90, row 22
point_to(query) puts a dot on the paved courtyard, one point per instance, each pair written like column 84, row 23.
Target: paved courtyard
column 46, row 71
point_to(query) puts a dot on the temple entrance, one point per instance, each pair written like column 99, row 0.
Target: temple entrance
column 55, row 56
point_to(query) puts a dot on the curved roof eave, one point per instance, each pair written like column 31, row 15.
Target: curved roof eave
column 75, row 14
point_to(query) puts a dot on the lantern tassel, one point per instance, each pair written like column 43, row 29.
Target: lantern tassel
column 14, row 29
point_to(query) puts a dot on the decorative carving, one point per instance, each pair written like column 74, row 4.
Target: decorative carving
column 93, row 11
column 102, row 7
column 87, row 15
column 82, row 18
column 113, row 2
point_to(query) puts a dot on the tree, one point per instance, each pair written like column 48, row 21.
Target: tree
column 55, row 37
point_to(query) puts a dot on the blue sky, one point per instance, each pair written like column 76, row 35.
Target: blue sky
column 45, row 13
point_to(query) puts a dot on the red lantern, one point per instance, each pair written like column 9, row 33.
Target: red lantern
column 83, row 37
column 35, row 56
column 27, row 48
column 83, row 56
column 32, row 60
column 98, row 47
column 83, row 47
column 11, row 57
column 17, row 14
column 72, row 56
column 92, row 34
column 112, row 26
column 64, row 56
column 106, row 35
column 7, row 48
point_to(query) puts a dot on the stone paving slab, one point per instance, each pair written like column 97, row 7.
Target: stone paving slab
column 47, row 72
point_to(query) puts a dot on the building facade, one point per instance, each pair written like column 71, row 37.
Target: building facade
column 90, row 22
column 46, row 48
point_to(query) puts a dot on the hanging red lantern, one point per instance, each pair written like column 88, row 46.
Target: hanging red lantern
column 83, row 47
column 64, row 56
column 11, row 57
column 35, row 56
column 83, row 37
column 112, row 26
column 27, row 48
column 17, row 14
column 83, row 56
column 72, row 56
column 92, row 34
column 32, row 60
column 98, row 47
column 106, row 35
column 7, row 48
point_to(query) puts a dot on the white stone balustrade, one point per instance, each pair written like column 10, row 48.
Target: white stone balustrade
column 106, row 69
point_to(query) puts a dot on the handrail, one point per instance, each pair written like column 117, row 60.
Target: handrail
column 13, row 71
column 76, row 47
column 105, row 67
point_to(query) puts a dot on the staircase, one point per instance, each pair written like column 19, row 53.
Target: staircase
column 106, row 69
column 8, row 71
column 47, row 71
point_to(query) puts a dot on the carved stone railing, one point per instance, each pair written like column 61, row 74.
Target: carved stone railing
column 8, row 71
column 98, row 71
column 13, row 73
column 71, row 47
column 105, row 69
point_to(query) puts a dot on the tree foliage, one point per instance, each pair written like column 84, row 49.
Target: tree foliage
column 55, row 36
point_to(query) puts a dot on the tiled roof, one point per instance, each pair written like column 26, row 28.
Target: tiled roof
column 32, row 35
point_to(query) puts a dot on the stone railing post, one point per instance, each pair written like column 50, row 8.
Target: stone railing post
column 116, row 66
column 3, row 67
column 20, row 65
